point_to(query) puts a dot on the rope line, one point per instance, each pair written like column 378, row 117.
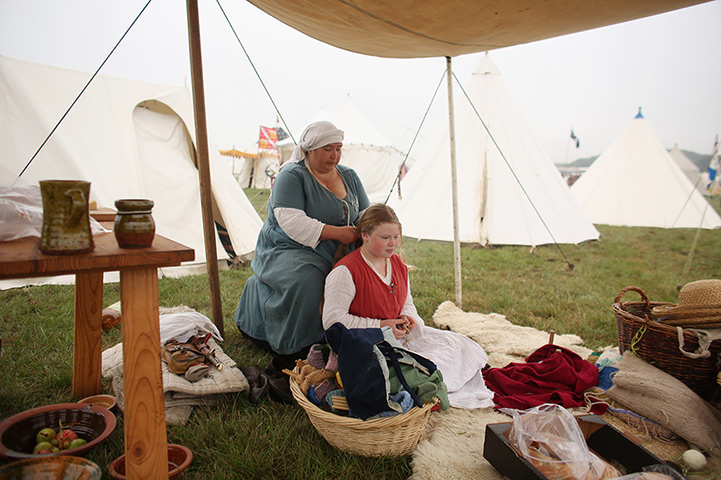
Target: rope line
column 256, row 71
column 570, row 265
column 400, row 169
column 80, row 94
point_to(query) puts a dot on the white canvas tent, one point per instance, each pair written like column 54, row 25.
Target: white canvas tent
column 636, row 183
column 687, row 166
column 129, row 139
column 493, row 208
column 365, row 149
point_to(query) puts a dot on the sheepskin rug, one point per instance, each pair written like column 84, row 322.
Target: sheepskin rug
column 452, row 444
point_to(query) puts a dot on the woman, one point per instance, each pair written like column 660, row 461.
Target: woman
column 370, row 288
column 312, row 209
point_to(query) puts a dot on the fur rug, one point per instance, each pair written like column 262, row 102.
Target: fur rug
column 452, row 445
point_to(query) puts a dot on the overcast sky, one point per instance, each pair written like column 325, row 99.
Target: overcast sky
column 592, row 82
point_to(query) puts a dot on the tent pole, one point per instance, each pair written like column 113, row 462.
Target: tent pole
column 203, row 159
column 454, row 186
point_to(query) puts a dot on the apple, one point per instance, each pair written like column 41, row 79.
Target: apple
column 78, row 442
column 43, row 447
column 64, row 438
column 45, row 435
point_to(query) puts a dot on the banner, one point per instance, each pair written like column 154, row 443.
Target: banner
column 713, row 187
column 268, row 139
column 575, row 138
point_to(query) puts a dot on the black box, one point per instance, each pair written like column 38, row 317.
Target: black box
column 607, row 442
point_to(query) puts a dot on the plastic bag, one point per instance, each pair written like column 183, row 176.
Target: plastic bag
column 550, row 438
column 654, row 472
column 21, row 213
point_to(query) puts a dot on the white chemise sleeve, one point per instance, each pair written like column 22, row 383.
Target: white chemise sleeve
column 299, row 226
column 339, row 294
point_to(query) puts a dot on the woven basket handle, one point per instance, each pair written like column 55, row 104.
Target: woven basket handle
column 644, row 297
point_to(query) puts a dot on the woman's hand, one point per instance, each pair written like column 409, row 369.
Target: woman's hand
column 345, row 235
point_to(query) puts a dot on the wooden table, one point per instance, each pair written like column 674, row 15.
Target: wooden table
column 145, row 434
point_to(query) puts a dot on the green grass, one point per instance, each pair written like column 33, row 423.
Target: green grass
column 240, row 440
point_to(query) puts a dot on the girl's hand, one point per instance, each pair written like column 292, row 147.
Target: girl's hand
column 397, row 324
column 410, row 322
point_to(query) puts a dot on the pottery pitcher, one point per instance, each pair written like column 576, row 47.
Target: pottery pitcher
column 66, row 218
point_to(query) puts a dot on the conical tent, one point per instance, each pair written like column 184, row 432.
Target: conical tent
column 493, row 206
column 636, row 183
column 129, row 139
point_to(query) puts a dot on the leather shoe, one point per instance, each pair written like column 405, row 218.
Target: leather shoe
column 258, row 383
column 278, row 382
column 279, row 386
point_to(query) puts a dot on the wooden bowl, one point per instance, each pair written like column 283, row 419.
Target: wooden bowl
column 179, row 458
column 62, row 467
column 90, row 422
column 105, row 401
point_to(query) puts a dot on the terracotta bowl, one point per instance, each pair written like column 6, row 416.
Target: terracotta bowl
column 105, row 401
column 61, row 467
column 179, row 458
column 90, row 422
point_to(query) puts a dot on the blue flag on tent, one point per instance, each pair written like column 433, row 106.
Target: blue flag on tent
column 573, row 137
column 713, row 187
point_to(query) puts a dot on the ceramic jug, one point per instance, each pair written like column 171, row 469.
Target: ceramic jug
column 134, row 225
column 66, row 219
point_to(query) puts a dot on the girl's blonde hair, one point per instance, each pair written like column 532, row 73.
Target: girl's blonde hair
column 376, row 215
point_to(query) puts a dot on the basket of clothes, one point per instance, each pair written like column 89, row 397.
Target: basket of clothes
column 366, row 396
column 386, row 436
column 663, row 335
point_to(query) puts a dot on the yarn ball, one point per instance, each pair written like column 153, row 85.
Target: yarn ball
column 694, row 460
column 332, row 365
column 315, row 357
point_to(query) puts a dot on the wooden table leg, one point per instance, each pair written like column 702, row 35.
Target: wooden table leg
column 146, row 453
column 88, row 333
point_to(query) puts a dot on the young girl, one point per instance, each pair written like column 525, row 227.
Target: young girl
column 369, row 288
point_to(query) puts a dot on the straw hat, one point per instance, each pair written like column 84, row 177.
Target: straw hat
column 699, row 305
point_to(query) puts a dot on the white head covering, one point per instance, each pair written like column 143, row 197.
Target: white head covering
column 315, row 135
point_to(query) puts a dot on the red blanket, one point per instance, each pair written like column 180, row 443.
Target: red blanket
column 551, row 374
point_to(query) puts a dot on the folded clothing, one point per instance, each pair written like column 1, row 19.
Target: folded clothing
column 551, row 374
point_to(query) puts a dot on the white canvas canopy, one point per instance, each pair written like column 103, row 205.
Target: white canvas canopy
column 492, row 207
column 129, row 139
column 365, row 149
column 636, row 183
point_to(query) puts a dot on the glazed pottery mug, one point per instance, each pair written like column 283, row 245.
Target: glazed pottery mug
column 66, row 219
column 134, row 226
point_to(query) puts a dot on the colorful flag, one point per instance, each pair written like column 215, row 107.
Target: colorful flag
column 713, row 187
column 281, row 134
column 573, row 137
column 268, row 139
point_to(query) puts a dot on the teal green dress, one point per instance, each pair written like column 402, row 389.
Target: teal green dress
column 280, row 303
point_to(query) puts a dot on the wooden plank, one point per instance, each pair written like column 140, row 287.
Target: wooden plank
column 88, row 332
column 146, row 454
column 21, row 258
column 103, row 214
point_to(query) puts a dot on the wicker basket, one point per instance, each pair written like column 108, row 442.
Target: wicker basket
column 658, row 344
column 397, row 435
